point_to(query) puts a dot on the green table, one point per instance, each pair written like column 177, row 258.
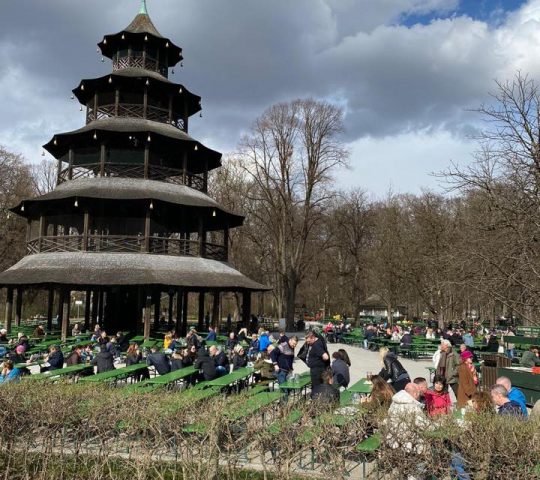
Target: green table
column 116, row 374
column 361, row 387
column 231, row 378
column 61, row 372
column 252, row 405
column 173, row 376
column 138, row 339
column 302, row 383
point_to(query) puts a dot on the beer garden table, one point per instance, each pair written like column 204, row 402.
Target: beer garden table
column 116, row 374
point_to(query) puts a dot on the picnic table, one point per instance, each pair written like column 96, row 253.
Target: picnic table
column 362, row 386
column 297, row 386
column 62, row 372
column 173, row 377
column 116, row 374
column 252, row 405
column 232, row 378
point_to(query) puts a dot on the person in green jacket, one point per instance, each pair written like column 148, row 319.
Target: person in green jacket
column 530, row 359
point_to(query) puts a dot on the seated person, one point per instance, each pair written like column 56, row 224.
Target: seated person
column 505, row 406
column 206, row 364
column 381, row 393
column 177, row 361
column 220, row 360
column 242, row 335
column 159, row 361
column 231, row 342
column 104, row 360
column 55, row 359
column 265, row 367
column 9, row 372
column 122, row 341
column 75, row 357
column 325, row 391
column 253, row 346
column 422, row 385
column 531, row 358
column 3, row 336
column 239, row 359
column 76, row 331
column 39, row 332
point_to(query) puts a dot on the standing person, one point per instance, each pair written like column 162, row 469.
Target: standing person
column 393, row 370
column 438, row 400
column 448, row 364
column 316, row 356
column 340, row 369
column 468, row 379
column 283, row 358
column 510, row 347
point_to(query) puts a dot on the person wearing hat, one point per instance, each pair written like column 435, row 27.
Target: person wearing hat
column 467, row 379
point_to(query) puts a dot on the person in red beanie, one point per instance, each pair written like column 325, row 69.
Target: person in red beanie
column 467, row 379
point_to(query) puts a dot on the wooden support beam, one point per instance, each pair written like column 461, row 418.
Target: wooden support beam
column 146, row 161
column 146, row 315
column 64, row 331
column 171, row 308
column 95, row 306
column 86, row 223
column 246, row 308
column 71, row 157
column 9, row 309
column 18, row 307
column 102, row 161
column 147, row 231
column 157, row 308
column 200, row 312
column 87, row 304
column 215, row 309
column 179, row 307
column 185, row 302
column 50, row 308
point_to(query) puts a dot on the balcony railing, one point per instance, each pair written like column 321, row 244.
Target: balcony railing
column 127, row 244
column 133, row 110
column 126, row 170
column 139, row 61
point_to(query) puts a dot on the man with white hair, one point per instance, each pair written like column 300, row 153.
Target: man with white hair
column 514, row 393
column 505, row 406
column 3, row 336
column 448, row 364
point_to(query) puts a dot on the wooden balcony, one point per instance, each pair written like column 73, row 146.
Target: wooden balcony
column 155, row 172
column 127, row 244
column 134, row 110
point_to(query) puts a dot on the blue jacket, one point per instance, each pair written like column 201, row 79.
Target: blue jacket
column 11, row 376
column 517, row 396
column 211, row 337
column 264, row 341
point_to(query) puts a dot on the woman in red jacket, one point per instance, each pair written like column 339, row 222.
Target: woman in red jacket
column 438, row 400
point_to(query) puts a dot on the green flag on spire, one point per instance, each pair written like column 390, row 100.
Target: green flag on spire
column 143, row 10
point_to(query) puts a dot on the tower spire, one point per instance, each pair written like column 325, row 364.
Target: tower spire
column 142, row 10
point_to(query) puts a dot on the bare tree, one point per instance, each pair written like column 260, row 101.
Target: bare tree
column 290, row 155
column 44, row 175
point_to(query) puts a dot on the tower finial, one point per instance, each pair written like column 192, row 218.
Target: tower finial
column 142, row 10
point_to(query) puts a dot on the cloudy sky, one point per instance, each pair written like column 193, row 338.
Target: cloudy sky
column 406, row 72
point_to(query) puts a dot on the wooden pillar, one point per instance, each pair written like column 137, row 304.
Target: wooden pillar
column 95, row 306
column 50, row 308
column 9, row 309
column 171, row 308
column 202, row 238
column 71, row 156
column 41, row 231
column 147, row 309
column 215, row 310
column 147, row 232
column 170, row 108
column 184, row 168
column 65, row 314
column 85, row 231
column 157, row 308
column 145, row 102
column 246, row 308
column 102, row 161
column 147, row 161
column 87, row 303
column 116, row 102
column 200, row 313
column 179, row 310
column 185, row 302
column 18, row 307
column 58, row 172
column 101, row 307
column 60, row 309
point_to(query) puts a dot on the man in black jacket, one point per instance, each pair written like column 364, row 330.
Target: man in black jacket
column 55, row 359
column 206, row 364
column 283, row 358
column 220, row 360
column 104, row 360
column 325, row 392
column 317, row 358
column 159, row 361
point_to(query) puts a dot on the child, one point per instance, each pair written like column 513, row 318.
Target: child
column 438, row 400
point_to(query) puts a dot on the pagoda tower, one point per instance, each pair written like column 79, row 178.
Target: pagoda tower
column 130, row 218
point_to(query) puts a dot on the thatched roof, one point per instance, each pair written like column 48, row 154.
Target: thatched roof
column 109, row 269
column 118, row 188
column 134, row 80
column 161, row 133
